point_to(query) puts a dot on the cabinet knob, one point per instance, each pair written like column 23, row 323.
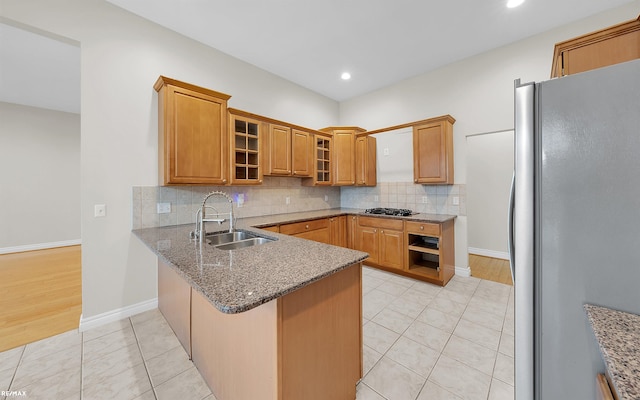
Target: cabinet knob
column 375, row 231
column 381, row 231
column 421, row 227
column 306, row 227
column 224, row 180
column 415, row 180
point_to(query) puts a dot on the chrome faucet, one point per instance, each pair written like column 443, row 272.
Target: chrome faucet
column 201, row 218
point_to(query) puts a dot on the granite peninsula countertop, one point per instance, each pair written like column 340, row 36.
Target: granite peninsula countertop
column 618, row 335
column 239, row 280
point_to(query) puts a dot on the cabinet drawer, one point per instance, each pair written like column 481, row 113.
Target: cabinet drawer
column 305, row 226
column 383, row 223
column 424, row 228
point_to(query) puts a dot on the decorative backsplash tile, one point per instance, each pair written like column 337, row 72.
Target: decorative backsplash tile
column 271, row 198
column 266, row 199
column 430, row 199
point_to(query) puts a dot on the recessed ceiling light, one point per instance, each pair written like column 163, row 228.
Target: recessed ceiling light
column 345, row 76
column 514, row 3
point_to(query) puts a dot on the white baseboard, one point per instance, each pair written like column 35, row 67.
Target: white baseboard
column 39, row 246
column 116, row 315
column 488, row 253
column 463, row 271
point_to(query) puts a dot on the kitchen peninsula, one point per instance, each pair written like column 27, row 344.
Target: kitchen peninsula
column 280, row 320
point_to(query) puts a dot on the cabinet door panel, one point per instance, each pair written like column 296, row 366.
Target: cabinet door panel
column 344, row 158
column 302, row 153
column 367, row 241
column 391, row 248
column 199, row 146
column 279, row 150
column 433, row 151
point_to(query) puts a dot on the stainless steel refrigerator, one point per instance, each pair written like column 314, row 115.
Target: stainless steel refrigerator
column 574, row 223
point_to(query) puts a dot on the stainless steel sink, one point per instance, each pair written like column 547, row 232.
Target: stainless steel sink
column 228, row 237
column 244, row 243
column 236, row 240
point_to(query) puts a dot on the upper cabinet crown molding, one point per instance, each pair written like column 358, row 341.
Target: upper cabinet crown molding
column 616, row 44
column 193, row 137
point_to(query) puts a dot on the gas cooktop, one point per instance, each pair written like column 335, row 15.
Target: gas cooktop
column 389, row 211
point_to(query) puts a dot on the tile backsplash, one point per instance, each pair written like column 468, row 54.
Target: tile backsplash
column 266, row 199
column 271, row 198
column 430, row 199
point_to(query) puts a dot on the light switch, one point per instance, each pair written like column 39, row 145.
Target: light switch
column 163, row 208
column 456, row 200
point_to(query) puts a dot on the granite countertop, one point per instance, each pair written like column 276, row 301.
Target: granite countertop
column 239, row 280
column 618, row 335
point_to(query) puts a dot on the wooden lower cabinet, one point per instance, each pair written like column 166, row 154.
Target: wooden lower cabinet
column 383, row 239
column 430, row 251
column 304, row 345
column 338, row 230
column 603, row 390
column 174, row 302
column 317, row 230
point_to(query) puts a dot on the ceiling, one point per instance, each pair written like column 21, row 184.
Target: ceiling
column 380, row 42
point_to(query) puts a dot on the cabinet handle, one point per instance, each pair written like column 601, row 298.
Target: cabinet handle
column 415, row 180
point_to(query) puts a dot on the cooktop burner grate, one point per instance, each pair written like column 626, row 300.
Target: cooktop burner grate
column 389, row 211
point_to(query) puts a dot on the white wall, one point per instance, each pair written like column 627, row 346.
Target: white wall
column 122, row 55
column 477, row 92
column 489, row 172
column 40, row 180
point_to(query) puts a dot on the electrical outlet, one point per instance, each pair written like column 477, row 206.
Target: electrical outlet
column 99, row 210
column 163, row 208
column 376, row 198
column 385, row 151
column 425, row 199
column 326, row 198
column 240, row 200
column 287, row 200
column 456, row 200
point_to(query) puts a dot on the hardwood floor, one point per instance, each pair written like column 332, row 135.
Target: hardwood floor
column 492, row 269
column 41, row 294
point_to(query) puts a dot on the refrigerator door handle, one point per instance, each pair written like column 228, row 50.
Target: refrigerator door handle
column 510, row 238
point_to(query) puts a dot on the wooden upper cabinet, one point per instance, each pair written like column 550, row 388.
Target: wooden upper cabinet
column 301, row 153
column 246, row 136
column 193, row 139
column 289, row 152
column 279, row 150
column 612, row 45
column 343, row 155
column 433, row 151
column 366, row 161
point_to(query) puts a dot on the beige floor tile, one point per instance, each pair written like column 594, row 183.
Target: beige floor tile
column 106, row 329
column 417, row 296
column 368, row 280
column 478, row 334
column 461, row 287
column 155, row 337
column 11, row 358
column 393, row 320
column 406, row 307
column 6, row 375
column 369, row 358
column 378, row 337
column 50, row 345
column 108, row 343
column 126, row 385
column 374, row 302
column 427, row 335
column 506, row 344
column 484, row 318
column 150, row 315
column 460, row 379
column 394, row 381
column 413, row 355
column 439, row 319
column 64, row 384
column 35, row 370
column 501, row 391
column 403, row 281
column 150, row 395
column 111, row 364
column 210, row 397
column 448, row 306
column 431, row 391
column 167, row 365
column 458, row 297
column 392, row 288
column 471, row 354
column 494, row 307
column 364, row 392
column 174, row 388
column 504, row 369
column 426, row 288
column 494, row 291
